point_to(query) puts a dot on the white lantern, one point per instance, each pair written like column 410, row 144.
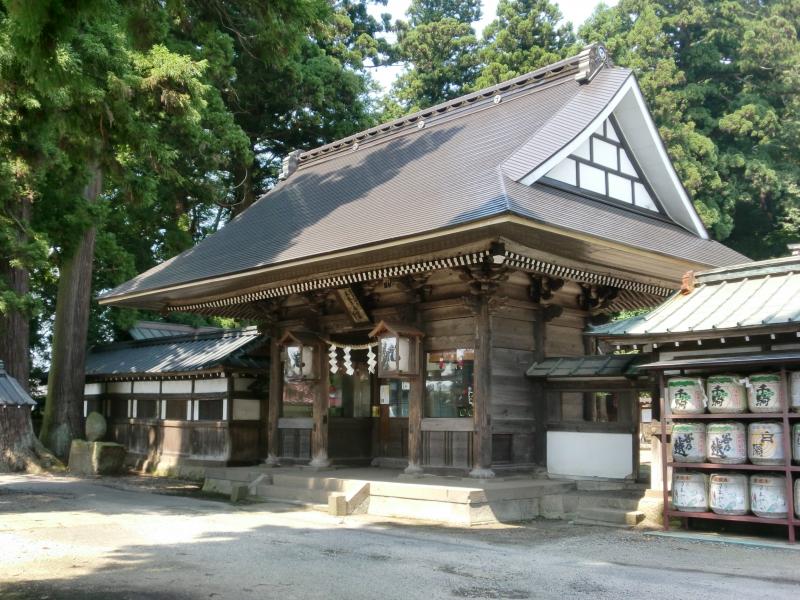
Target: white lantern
column 299, row 356
column 398, row 349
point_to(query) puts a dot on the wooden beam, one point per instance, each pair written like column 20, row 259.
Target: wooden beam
column 539, row 396
column 415, row 397
column 319, row 435
column 275, row 399
column 482, row 436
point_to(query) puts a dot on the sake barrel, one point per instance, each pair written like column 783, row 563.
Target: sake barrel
column 796, row 442
column 690, row 491
column 765, row 443
column 726, row 394
column 726, row 443
column 764, row 393
column 794, row 390
column 728, row 494
column 686, row 395
column 797, row 497
column 689, row 442
column 768, row 496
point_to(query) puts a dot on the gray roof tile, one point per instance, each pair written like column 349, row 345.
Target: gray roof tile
column 452, row 171
column 176, row 354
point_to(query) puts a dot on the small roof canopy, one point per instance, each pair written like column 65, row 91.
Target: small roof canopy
column 614, row 365
column 723, row 362
column 177, row 354
column 293, row 336
column 11, row 392
column 753, row 297
column 395, row 329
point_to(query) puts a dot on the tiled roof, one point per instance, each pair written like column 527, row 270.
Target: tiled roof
column 446, row 166
column 11, row 392
column 747, row 296
column 176, row 354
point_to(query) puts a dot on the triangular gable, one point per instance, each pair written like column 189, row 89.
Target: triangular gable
column 602, row 166
column 644, row 149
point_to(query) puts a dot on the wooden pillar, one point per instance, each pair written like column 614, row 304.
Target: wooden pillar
column 539, row 394
column 482, row 406
column 275, row 400
column 319, row 435
column 415, row 396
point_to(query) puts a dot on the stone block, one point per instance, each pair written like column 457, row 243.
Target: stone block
column 337, row 504
column 96, row 458
column 95, row 426
column 239, row 492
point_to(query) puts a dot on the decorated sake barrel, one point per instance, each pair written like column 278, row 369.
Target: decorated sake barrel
column 768, row 496
column 726, row 394
column 794, row 390
column 690, row 491
column 726, row 443
column 764, row 393
column 765, row 443
column 686, row 395
column 797, row 497
column 728, row 494
column 689, row 442
column 796, row 442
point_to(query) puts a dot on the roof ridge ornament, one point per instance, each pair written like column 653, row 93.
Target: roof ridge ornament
column 289, row 164
column 591, row 59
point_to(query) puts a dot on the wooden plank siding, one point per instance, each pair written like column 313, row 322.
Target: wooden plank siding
column 513, row 345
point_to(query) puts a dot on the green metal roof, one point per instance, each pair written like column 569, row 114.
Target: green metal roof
column 613, row 365
column 224, row 348
column 749, row 296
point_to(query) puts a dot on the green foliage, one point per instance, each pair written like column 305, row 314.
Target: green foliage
column 439, row 43
column 525, row 36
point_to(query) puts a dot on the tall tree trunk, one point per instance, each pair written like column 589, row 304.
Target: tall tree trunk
column 14, row 325
column 19, row 448
column 62, row 414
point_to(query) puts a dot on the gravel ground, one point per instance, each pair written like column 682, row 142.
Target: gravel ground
column 143, row 538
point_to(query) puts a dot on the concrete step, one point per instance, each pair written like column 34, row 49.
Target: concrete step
column 594, row 485
column 609, row 516
column 284, row 493
column 330, row 484
column 617, row 500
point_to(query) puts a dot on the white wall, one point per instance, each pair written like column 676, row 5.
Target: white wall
column 211, row 386
column 590, row 454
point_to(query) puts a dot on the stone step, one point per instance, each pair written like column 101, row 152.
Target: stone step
column 278, row 492
column 616, row 500
column 609, row 516
column 594, row 485
column 330, row 484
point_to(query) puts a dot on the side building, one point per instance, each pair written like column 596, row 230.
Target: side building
column 410, row 274
column 182, row 401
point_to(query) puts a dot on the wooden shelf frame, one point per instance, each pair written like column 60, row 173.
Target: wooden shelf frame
column 791, row 522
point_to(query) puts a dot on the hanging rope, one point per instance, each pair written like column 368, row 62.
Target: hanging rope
column 351, row 346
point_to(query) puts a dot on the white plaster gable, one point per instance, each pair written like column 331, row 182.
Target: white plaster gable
column 635, row 127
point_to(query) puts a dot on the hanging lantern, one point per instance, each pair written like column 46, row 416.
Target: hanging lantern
column 398, row 349
column 299, row 355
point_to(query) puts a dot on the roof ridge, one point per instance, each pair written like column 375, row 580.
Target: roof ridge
column 576, row 63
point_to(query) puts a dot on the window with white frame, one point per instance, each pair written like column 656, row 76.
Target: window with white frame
column 602, row 165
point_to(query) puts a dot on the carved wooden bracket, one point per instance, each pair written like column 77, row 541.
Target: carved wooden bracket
column 270, row 312
column 319, row 301
column 416, row 286
column 483, row 280
column 596, row 296
column 551, row 311
column 542, row 287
